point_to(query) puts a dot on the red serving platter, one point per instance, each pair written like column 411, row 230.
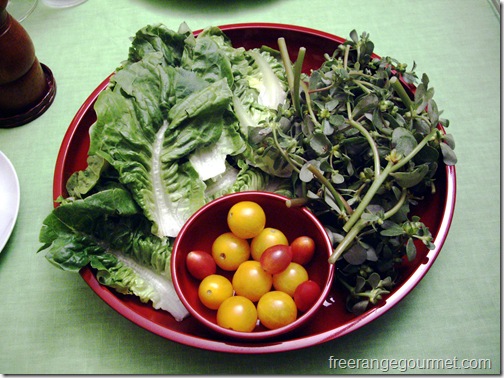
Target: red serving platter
column 332, row 320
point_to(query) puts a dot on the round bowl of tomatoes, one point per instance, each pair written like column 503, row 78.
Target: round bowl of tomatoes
column 249, row 265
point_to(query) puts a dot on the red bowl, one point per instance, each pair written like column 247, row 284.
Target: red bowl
column 210, row 221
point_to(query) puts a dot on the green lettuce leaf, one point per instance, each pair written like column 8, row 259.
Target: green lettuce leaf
column 108, row 231
column 141, row 133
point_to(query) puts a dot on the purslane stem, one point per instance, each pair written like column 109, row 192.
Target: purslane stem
column 401, row 92
column 284, row 53
column 369, row 138
column 309, row 104
column 283, row 152
column 378, row 181
column 413, row 152
column 347, row 240
column 298, row 65
column 397, row 206
column 338, row 198
column 345, row 57
column 361, row 223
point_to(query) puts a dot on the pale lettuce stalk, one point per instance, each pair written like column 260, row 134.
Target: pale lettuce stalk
column 210, row 161
column 148, row 286
column 271, row 90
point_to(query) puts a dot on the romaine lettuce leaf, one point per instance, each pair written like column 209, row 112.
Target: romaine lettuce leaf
column 159, row 38
column 108, row 231
column 143, row 144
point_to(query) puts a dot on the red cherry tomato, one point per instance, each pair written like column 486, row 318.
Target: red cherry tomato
column 303, row 249
column 200, row 264
column 306, row 294
column 276, row 258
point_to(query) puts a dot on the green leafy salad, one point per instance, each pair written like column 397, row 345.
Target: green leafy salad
column 186, row 119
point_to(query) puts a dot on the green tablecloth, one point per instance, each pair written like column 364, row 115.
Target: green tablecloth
column 51, row 322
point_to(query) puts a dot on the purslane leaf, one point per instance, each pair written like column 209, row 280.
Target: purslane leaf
column 411, row 178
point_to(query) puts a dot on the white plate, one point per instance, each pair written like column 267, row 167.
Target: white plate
column 9, row 199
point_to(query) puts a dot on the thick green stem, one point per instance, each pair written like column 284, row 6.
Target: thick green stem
column 345, row 58
column 338, row 198
column 413, row 152
column 296, row 202
column 362, row 86
column 284, row 53
column 293, row 73
column 347, row 240
column 378, row 181
column 396, row 84
column 369, row 138
column 309, row 104
column 397, row 206
column 297, row 80
column 294, row 78
column 357, row 227
column 282, row 151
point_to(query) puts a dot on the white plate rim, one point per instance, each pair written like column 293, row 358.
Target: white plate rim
column 8, row 181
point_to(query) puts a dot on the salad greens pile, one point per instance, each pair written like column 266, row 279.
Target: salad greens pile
column 187, row 119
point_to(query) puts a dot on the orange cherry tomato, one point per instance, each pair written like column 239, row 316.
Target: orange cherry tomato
column 251, row 280
column 267, row 238
column 289, row 279
column 213, row 290
column 229, row 251
column 276, row 309
column 246, row 219
column 237, row 313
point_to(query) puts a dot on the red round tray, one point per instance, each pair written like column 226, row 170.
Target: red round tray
column 333, row 320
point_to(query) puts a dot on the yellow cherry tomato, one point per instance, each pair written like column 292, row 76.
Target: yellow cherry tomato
column 268, row 237
column 251, row 280
column 213, row 290
column 246, row 219
column 289, row 279
column 237, row 313
column 229, row 251
column 276, row 309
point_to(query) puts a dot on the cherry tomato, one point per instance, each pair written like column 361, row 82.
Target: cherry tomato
column 246, row 219
column 200, row 264
column 251, row 281
column 289, row 279
column 306, row 294
column 229, row 251
column 276, row 258
column 276, row 309
column 303, row 249
column 267, row 238
column 237, row 313
column 213, row 290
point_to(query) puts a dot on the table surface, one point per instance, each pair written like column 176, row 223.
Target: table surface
column 51, row 322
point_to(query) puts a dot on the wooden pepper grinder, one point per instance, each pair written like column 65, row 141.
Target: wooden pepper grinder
column 27, row 87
